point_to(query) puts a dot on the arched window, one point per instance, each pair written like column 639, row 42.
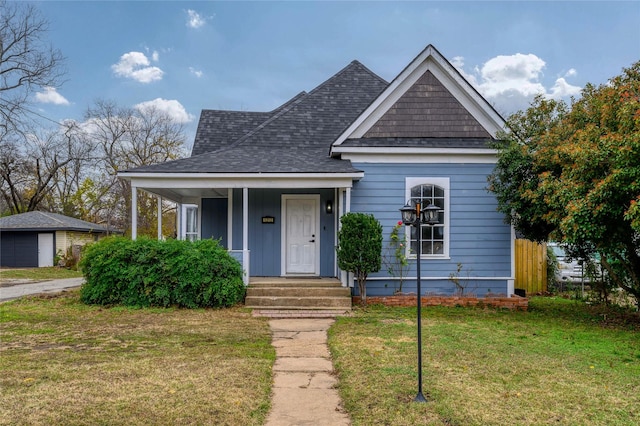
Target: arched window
column 435, row 238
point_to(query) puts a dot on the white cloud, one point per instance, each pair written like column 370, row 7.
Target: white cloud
column 172, row 108
column 155, row 56
column 194, row 19
column 136, row 65
column 517, row 72
column 512, row 81
column 458, row 61
column 562, row 89
column 196, row 72
column 50, row 95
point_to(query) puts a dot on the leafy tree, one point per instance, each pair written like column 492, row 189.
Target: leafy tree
column 27, row 63
column 572, row 174
column 360, row 247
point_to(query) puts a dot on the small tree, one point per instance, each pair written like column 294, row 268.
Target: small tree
column 360, row 248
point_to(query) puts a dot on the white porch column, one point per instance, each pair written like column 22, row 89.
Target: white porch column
column 345, row 205
column 230, row 219
column 347, row 209
column 134, row 212
column 179, row 221
column 159, row 217
column 347, row 201
column 336, row 222
column 245, row 233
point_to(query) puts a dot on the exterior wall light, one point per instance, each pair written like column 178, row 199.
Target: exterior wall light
column 329, row 207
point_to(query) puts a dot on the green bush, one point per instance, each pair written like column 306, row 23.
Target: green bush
column 360, row 248
column 147, row 272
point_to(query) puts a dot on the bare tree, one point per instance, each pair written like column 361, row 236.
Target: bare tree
column 32, row 167
column 27, row 63
column 127, row 138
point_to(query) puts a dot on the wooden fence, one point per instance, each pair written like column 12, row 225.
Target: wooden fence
column 531, row 266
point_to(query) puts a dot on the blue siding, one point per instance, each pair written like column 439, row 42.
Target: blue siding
column 265, row 239
column 479, row 239
column 214, row 219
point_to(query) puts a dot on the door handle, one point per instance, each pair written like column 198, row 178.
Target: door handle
column 312, row 241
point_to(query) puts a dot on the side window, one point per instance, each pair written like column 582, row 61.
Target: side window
column 435, row 238
column 190, row 222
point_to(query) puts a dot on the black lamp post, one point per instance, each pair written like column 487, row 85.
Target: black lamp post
column 413, row 215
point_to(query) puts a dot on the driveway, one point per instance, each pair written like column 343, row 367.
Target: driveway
column 14, row 291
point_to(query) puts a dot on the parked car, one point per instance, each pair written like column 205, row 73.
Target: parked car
column 569, row 271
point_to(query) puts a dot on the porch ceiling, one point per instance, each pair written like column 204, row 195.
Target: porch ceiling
column 182, row 195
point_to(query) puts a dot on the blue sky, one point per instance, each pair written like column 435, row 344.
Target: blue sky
column 188, row 56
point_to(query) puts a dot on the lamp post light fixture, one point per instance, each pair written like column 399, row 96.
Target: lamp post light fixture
column 413, row 215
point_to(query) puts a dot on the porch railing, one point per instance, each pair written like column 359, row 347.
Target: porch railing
column 242, row 256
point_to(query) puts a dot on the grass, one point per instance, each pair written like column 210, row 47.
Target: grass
column 65, row 363
column 38, row 274
column 560, row 363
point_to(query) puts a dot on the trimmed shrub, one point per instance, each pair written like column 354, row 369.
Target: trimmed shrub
column 360, row 248
column 144, row 272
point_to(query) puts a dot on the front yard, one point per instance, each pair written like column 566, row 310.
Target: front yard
column 63, row 362
column 66, row 363
column 560, row 363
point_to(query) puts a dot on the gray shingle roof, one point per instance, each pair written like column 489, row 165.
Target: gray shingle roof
column 44, row 221
column 256, row 159
column 294, row 138
column 218, row 128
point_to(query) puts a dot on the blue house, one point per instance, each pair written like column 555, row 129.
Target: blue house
column 273, row 185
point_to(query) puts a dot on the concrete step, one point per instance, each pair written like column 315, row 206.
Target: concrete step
column 297, row 302
column 290, row 282
column 301, row 313
column 298, row 291
column 281, row 297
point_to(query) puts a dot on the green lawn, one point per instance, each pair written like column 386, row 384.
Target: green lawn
column 560, row 363
column 65, row 363
column 37, row 274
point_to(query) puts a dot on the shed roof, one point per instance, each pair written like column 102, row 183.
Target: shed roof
column 45, row 221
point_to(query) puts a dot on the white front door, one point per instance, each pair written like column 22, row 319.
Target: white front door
column 301, row 242
column 45, row 250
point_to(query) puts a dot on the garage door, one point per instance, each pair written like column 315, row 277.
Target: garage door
column 19, row 249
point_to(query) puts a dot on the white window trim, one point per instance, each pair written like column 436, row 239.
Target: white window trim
column 443, row 182
column 183, row 220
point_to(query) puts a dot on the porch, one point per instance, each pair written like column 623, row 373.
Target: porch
column 276, row 227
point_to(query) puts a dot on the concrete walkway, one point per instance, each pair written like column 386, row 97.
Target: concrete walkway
column 14, row 291
column 304, row 384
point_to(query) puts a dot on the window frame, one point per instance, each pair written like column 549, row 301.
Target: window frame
column 444, row 183
column 191, row 235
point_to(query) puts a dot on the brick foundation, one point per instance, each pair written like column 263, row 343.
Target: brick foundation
column 514, row 302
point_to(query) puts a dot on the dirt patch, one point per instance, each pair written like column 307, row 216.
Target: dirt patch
column 10, row 282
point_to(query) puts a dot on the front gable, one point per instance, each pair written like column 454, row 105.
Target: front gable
column 427, row 110
column 429, row 99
